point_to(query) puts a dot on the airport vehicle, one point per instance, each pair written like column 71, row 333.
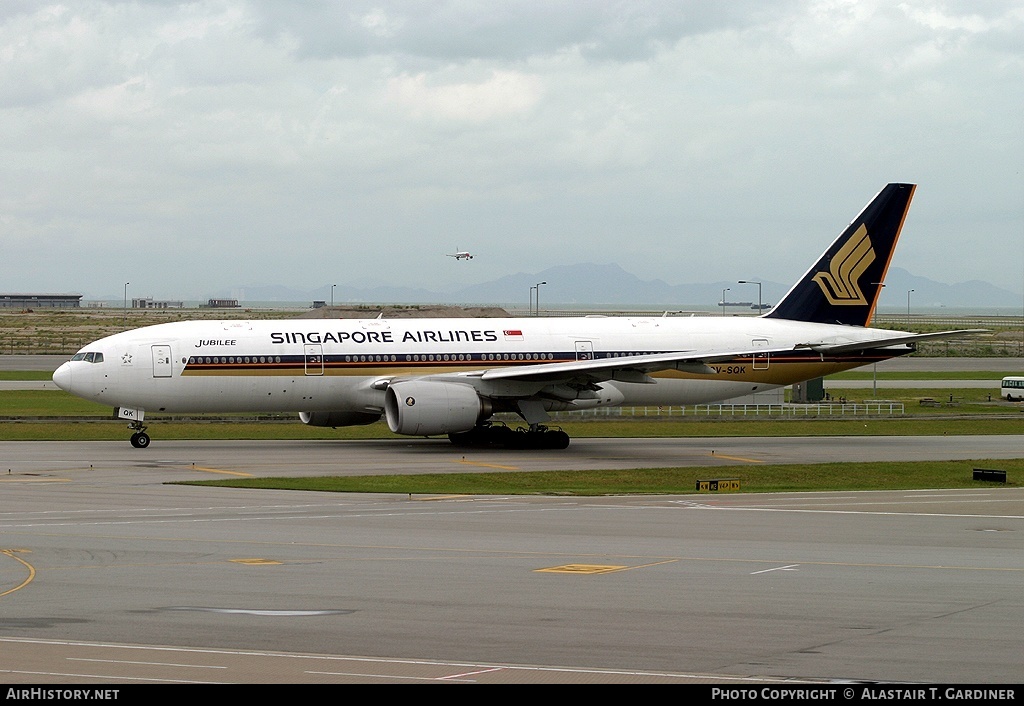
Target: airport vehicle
column 1011, row 388
column 430, row 377
column 461, row 255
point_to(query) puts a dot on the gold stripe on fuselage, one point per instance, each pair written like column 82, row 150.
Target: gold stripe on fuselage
column 778, row 372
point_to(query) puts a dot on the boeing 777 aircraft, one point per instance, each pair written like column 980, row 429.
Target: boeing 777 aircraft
column 430, row 377
column 461, row 255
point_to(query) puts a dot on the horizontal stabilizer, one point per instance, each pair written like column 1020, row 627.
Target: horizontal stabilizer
column 901, row 340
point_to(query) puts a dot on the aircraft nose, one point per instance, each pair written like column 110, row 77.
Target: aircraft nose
column 62, row 377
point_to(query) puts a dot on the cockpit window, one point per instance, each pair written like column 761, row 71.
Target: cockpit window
column 88, row 357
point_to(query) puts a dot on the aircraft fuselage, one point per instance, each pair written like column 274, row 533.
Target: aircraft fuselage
column 331, row 364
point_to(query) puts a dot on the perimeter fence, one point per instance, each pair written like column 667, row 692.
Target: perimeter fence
column 786, row 409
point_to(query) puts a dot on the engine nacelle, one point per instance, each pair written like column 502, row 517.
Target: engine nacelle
column 425, row 408
column 337, row 419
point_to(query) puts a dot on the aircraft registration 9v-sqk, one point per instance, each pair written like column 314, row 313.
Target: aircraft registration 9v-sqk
column 431, row 377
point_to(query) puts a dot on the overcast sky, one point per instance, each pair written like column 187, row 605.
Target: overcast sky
column 187, row 148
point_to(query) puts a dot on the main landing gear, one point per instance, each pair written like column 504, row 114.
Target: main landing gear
column 537, row 436
column 140, row 439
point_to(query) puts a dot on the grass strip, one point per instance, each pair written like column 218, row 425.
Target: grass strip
column 919, row 475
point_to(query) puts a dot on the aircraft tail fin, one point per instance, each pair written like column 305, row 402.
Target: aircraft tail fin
column 843, row 286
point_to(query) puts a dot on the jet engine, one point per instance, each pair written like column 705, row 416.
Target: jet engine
column 337, row 418
column 425, row 408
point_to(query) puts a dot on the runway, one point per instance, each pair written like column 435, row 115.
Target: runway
column 110, row 576
column 168, row 460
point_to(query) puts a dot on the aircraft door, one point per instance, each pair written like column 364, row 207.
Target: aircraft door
column 584, row 350
column 162, row 361
column 314, row 359
column 760, row 360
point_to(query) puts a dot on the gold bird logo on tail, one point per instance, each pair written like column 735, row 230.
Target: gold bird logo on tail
column 839, row 284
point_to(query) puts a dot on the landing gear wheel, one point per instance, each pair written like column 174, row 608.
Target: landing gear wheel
column 482, row 435
column 139, row 437
column 537, row 437
column 498, row 434
column 465, row 438
column 557, row 439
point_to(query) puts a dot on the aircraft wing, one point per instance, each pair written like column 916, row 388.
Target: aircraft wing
column 627, row 369
column 638, row 367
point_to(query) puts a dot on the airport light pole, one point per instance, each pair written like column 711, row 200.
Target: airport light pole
column 908, row 305
column 745, row 281
column 874, row 366
column 126, row 300
column 723, row 299
column 332, row 295
column 537, row 287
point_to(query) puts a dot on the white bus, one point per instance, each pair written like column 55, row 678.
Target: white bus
column 1012, row 388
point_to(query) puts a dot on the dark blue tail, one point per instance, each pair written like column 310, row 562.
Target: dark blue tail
column 843, row 286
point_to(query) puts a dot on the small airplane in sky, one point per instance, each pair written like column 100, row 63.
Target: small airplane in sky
column 461, row 255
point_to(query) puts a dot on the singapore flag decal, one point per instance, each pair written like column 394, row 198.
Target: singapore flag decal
column 513, row 335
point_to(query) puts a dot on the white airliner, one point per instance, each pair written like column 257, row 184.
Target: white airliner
column 431, row 377
column 461, row 255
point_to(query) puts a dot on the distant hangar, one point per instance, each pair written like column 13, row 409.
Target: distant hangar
column 40, row 301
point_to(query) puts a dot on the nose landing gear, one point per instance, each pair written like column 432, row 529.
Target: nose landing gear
column 140, row 439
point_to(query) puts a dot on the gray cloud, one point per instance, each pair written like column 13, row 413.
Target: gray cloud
column 192, row 147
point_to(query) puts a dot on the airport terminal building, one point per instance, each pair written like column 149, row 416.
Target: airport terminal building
column 40, row 301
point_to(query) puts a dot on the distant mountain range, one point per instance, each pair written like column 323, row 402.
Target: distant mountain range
column 591, row 286
column 927, row 293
